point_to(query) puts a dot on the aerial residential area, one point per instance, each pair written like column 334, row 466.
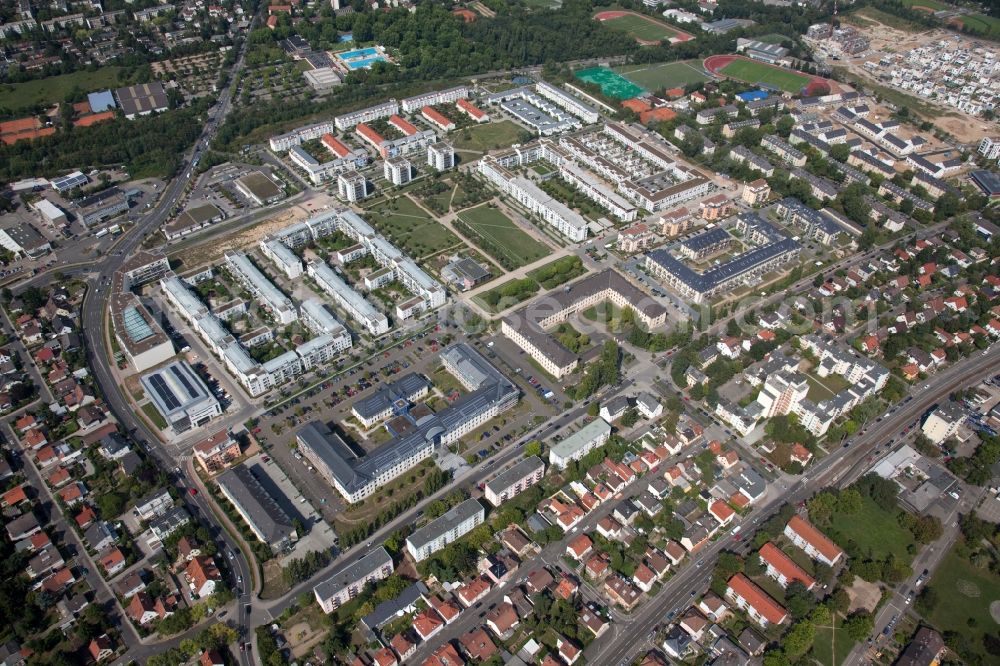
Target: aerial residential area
column 538, row 332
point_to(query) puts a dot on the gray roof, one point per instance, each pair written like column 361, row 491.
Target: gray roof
column 504, row 479
column 352, row 573
column 353, row 472
column 567, row 447
column 269, row 518
column 446, row 523
column 388, row 610
column 389, row 394
column 707, row 239
column 169, row 521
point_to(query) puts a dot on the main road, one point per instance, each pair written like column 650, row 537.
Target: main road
column 840, row 467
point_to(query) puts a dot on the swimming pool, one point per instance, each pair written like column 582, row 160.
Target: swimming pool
column 365, row 62
column 359, row 53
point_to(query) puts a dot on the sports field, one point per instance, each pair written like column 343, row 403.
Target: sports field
column 644, row 29
column 502, row 239
column 611, row 83
column 52, row 89
column 980, row 24
column 758, row 73
column 664, row 75
column 932, row 5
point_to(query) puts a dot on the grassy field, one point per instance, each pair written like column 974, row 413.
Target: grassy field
column 503, row 235
column 832, row 644
column 930, row 4
column 641, row 28
column 891, row 20
column 664, row 75
column 759, row 73
column 875, row 531
column 407, row 223
column 987, row 26
column 154, row 416
column 964, row 595
column 490, row 136
column 18, row 96
column 826, row 387
column 773, row 38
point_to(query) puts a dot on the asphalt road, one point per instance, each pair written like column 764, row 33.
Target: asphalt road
column 840, row 467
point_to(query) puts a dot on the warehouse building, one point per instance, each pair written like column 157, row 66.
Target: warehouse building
column 24, row 240
column 258, row 508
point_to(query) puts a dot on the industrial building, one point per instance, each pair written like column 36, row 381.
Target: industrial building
column 23, row 240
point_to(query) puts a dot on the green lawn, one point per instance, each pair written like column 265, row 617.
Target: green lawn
column 874, row 530
column 773, row 38
column 502, row 236
column 405, row 222
column 885, row 18
column 18, row 96
column 826, row 387
column 641, row 28
column 987, row 26
column 149, row 409
column 664, row 75
column 964, row 593
column 489, row 136
column 832, row 644
column 930, row 4
column 760, row 73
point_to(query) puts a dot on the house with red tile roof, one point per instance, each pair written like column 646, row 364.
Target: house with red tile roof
column 384, row 657
column 597, row 565
column 446, row 655
column 580, row 547
column 58, row 581
column 674, row 552
column 800, row 454
column 101, row 648
column 59, row 477
column 473, row 591
column 435, row 118
column 566, row 588
column 14, row 496
column 782, row 568
column 112, row 561
column 72, row 494
column 85, row 517
column 569, row 651
column 202, row 574
column 755, row 602
column 402, row 125
column 211, row 658
column 477, row 645
column 644, row 577
column 472, row 111
column 722, row 512
column 142, row 609
column 502, row 620
column 427, row 624
column 445, row 608
column 817, row 545
column 35, row 438
column 402, row 646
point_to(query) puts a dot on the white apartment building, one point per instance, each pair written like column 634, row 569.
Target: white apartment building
column 441, row 156
column 350, row 581
column 352, row 186
column 398, row 170
column 943, row 422
column 989, row 147
column 296, row 137
column 349, row 120
column 816, row 545
column 514, row 481
column 580, row 443
column 417, row 102
column 281, row 256
column 359, row 309
column 561, row 98
column 253, row 280
column 447, row 529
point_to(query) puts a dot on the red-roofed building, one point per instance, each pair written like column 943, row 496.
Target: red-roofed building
column 335, row 145
column 369, row 135
column 816, row 544
column 436, row 118
column 446, row 608
column 202, row 573
column 755, row 602
column 402, row 125
column 72, row 494
column 472, row 111
column 85, row 517
column 113, row 561
column 101, row 648
column 782, row 568
column 35, row 438
column 279, row 9
column 477, row 645
column 446, row 655
column 800, row 454
column 722, row 512
column 473, row 591
column 212, row 658
column 644, row 577
column 427, row 624
column 14, row 496
column 59, row 477
column 580, row 547
column 502, row 620
column 272, row 22
column 597, row 566
column 216, row 451
column 384, row 657
column 566, row 588
column 58, row 581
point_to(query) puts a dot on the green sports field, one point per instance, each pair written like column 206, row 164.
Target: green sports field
column 612, row 84
column 659, row 76
column 929, row 4
column 759, row 73
column 503, row 239
column 52, row 89
column 641, row 28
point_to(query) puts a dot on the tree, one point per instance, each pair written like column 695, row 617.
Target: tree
column 927, row 600
column 532, row 448
column 840, row 601
column 859, row 625
column 849, row 501
column 799, row 600
column 821, row 507
column 799, row 638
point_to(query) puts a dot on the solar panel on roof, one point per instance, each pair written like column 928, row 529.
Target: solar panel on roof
column 136, row 327
column 166, row 395
column 192, row 392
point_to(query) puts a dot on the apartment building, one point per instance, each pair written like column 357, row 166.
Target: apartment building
column 347, row 121
column 755, row 602
column 514, row 481
column 350, row 581
column 253, row 280
column 782, row 568
column 816, row 545
column 441, row 156
column 434, row 98
column 580, row 443
column 457, row 522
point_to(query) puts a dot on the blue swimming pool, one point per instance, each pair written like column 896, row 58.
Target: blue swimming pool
column 366, row 62
column 359, row 53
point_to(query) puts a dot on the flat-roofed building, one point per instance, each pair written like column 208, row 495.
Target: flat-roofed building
column 514, row 481
column 441, row 156
column 390, row 398
column 258, row 508
column 101, row 206
column 259, row 188
column 142, row 99
column 180, row 396
column 350, row 581
column 139, row 336
column 216, row 451
column 398, row 170
column 253, row 280
column 352, row 186
column 24, row 240
column 454, row 524
column 50, row 213
column 580, row 443
column 354, row 303
column 287, row 261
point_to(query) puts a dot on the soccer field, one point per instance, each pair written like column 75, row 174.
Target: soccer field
column 664, row 75
column 759, row 73
column 501, row 237
column 641, row 28
column 612, row 84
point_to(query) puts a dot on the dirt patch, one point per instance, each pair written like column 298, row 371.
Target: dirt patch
column 274, row 580
column 995, row 611
column 303, row 638
column 967, row 589
column 863, row 595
